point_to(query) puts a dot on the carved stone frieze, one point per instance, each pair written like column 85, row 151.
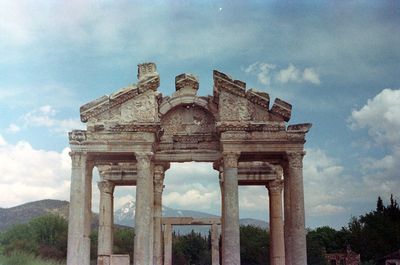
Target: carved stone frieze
column 250, row 126
column 142, row 108
column 187, row 120
column 258, row 113
column 135, row 128
column 233, row 107
column 77, row 136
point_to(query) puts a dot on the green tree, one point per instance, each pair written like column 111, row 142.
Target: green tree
column 124, row 241
column 254, row 245
column 19, row 238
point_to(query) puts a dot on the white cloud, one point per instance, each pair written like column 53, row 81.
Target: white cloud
column 122, row 200
column 293, row 74
column 327, row 209
column 193, row 198
column 45, row 116
column 13, row 128
column 262, row 71
column 381, row 117
column 310, row 75
column 267, row 74
column 2, row 141
column 324, row 181
column 29, row 174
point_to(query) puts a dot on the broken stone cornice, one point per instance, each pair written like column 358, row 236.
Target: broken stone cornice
column 282, row 109
column 301, row 128
column 186, row 80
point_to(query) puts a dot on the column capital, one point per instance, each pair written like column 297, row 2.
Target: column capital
column 106, row 186
column 230, row 159
column 295, row 159
column 275, row 186
column 143, row 159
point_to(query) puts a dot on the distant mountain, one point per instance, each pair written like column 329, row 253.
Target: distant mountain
column 25, row 212
column 124, row 216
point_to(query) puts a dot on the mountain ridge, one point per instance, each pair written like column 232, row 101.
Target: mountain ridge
column 124, row 216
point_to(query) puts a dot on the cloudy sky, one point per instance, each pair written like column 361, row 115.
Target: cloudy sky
column 337, row 62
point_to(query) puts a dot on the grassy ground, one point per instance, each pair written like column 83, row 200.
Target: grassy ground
column 26, row 259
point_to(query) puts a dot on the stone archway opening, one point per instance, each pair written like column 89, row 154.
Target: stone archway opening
column 254, row 224
column 191, row 201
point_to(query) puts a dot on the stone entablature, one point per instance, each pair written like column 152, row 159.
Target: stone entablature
column 135, row 133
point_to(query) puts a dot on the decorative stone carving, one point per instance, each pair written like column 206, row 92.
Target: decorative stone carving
column 77, row 136
column 146, row 69
column 275, row 186
column 186, row 80
column 295, row 159
column 78, row 159
column 188, row 120
column 231, row 159
column 143, row 160
column 106, row 186
column 142, row 108
column 233, row 107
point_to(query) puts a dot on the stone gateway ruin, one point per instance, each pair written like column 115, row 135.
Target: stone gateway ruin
column 134, row 134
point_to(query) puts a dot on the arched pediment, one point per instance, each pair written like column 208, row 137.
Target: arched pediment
column 187, row 123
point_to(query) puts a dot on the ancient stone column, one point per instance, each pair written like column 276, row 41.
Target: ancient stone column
column 231, row 232
column 158, row 189
column 106, row 222
column 221, row 184
column 168, row 244
column 297, row 219
column 80, row 210
column 214, row 245
column 277, row 245
column 144, row 210
column 287, row 225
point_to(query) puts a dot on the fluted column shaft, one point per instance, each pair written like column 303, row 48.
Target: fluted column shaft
column 168, row 244
column 297, row 216
column 80, row 210
column 277, row 245
column 287, row 217
column 158, row 189
column 231, row 232
column 106, row 220
column 144, row 210
column 214, row 245
column 221, row 183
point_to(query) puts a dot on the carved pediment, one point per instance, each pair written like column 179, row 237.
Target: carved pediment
column 137, row 103
column 238, row 104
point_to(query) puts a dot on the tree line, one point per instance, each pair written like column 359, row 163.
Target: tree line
column 373, row 235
